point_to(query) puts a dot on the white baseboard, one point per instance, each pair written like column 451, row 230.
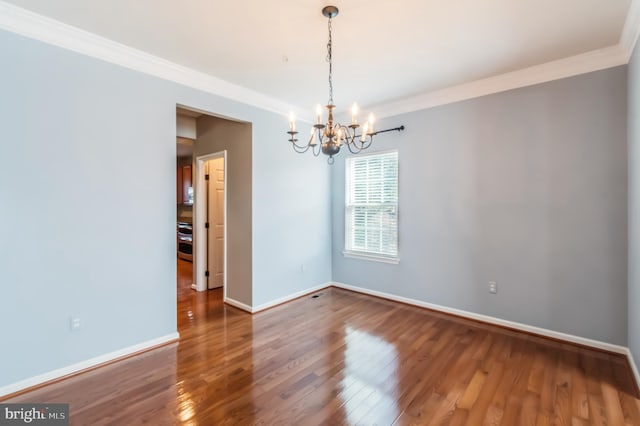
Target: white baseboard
column 634, row 367
column 87, row 364
column 290, row 297
column 236, row 304
column 275, row 302
column 491, row 320
column 194, row 287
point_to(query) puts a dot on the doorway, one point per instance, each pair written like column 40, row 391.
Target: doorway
column 185, row 139
column 215, row 136
column 210, row 228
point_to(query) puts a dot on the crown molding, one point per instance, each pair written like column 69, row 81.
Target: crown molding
column 567, row 67
column 631, row 30
column 51, row 31
column 595, row 60
column 32, row 25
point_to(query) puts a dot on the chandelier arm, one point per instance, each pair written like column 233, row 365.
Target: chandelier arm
column 344, row 128
column 298, row 146
column 316, row 151
column 316, row 148
column 367, row 143
column 300, row 149
column 348, row 134
column 312, row 143
column 358, row 145
column 353, row 148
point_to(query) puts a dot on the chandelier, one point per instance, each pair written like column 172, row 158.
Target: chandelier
column 330, row 137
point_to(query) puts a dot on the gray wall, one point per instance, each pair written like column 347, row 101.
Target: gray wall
column 89, row 206
column 634, row 206
column 215, row 135
column 286, row 248
column 292, row 215
column 527, row 188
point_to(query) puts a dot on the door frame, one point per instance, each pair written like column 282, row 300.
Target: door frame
column 199, row 237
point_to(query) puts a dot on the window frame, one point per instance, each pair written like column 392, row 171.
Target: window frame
column 366, row 255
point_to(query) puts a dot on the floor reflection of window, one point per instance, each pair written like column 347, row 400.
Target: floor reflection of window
column 370, row 382
column 186, row 406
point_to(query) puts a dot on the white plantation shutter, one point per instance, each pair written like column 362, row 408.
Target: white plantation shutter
column 372, row 204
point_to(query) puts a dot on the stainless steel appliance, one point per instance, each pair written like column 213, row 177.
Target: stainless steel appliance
column 185, row 241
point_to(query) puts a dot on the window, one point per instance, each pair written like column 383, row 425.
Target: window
column 371, row 213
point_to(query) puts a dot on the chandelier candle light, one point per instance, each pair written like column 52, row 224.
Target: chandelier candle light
column 329, row 137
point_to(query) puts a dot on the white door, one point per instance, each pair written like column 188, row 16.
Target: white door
column 215, row 218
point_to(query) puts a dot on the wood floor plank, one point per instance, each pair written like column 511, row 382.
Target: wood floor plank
column 529, row 413
column 562, row 408
column 549, row 390
column 479, row 410
column 472, row 391
column 579, row 393
column 536, row 376
column 629, row 409
column 612, row 404
column 347, row 358
column 515, row 384
column 597, row 411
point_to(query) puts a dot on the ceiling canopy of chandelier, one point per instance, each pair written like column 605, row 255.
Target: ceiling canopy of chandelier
column 328, row 138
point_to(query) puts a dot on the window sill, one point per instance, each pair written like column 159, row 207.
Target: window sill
column 371, row 257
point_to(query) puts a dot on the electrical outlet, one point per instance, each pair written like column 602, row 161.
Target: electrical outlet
column 303, row 268
column 75, row 324
column 493, row 287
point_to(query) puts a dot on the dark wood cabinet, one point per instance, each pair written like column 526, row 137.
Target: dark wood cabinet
column 184, row 177
column 187, row 178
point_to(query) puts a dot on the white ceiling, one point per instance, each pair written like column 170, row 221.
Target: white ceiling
column 383, row 51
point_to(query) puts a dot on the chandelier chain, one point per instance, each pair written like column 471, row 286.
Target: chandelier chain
column 329, row 59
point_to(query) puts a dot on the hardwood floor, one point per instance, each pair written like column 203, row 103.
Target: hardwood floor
column 185, row 279
column 346, row 358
